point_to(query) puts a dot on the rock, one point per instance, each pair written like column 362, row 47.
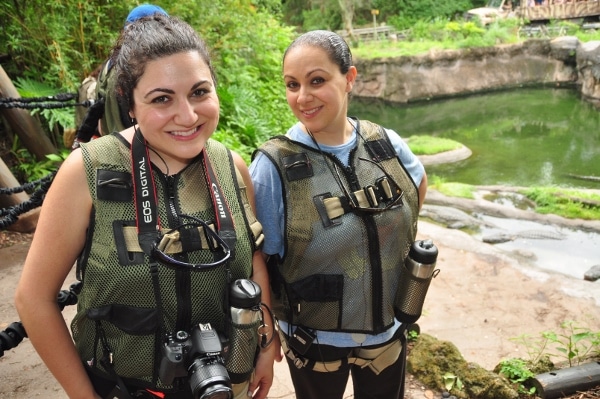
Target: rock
column 440, row 74
column 522, row 253
column 430, row 358
column 564, row 48
column 592, row 274
column 451, row 217
column 498, row 238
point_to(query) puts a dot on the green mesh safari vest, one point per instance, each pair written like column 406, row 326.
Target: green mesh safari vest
column 341, row 268
column 112, row 119
column 117, row 304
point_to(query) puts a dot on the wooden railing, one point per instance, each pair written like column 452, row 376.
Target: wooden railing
column 374, row 33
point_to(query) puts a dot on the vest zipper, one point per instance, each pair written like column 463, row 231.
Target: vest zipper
column 374, row 249
column 182, row 277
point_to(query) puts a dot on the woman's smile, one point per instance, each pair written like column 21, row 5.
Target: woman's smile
column 186, row 134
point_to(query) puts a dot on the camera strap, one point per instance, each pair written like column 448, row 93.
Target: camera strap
column 144, row 194
column 146, row 199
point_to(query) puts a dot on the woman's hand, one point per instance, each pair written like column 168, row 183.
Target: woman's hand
column 263, row 375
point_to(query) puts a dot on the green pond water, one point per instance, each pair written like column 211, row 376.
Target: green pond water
column 525, row 137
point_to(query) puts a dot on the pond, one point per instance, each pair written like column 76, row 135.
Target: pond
column 526, row 137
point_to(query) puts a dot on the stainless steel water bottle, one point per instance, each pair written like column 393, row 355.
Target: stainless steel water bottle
column 246, row 318
column 417, row 272
column 244, row 301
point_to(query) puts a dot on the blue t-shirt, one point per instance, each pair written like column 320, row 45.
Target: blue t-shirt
column 270, row 213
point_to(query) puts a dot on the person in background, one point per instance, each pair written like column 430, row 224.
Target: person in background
column 86, row 98
column 159, row 219
column 338, row 199
column 106, row 115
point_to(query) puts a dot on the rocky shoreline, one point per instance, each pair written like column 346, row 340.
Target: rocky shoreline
column 563, row 61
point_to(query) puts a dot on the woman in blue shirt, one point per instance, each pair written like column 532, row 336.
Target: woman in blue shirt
column 338, row 199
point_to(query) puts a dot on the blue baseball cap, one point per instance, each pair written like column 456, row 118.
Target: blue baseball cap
column 143, row 11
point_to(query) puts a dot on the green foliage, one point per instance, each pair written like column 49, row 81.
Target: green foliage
column 412, row 335
column 58, row 41
column 535, row 346
column 317, row 18
column 60, row 118
column 517, row 372
column 56, row 44
column 452, row 381
column 569, row 203
column 247, row 51
column 28, row 169
column 414, row 10
column 573, row 343
column 428, row 145
column 440, row 34
column 451, row 189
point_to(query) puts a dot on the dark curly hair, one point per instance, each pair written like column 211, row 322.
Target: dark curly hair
column 148, row 39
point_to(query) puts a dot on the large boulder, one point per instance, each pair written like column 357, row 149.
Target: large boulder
column 588, row 68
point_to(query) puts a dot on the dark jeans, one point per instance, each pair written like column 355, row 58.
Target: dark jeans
column 309, row 384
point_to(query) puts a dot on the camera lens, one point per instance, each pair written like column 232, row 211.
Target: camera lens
column 209, row 380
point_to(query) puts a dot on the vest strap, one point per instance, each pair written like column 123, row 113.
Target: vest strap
column 171, row 241
column 377, row 359
column 367, row 197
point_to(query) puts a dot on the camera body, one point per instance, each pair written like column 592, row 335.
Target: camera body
column 198, row 356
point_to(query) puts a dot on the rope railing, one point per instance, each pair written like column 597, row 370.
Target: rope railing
column 14, row 334
column 61, row 100
column 10, row 215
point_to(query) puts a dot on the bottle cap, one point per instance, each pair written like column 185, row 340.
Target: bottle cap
column 244, row 293
column 424, row 251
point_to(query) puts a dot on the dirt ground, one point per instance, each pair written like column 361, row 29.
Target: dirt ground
column 481, row 299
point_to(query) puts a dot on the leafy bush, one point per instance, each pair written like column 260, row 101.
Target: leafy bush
column 54, row 45
column 517, row 372
column 574, row 343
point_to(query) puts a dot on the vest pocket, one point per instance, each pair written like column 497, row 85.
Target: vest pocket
column 316, row 301
column 243, row 348
column 132, row 320
column 115, row 186
column 122, row 339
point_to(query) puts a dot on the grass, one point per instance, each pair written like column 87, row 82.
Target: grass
column 569, row 203
column 391, row 49
column 425, row 36
column 429, row 145
column 565, row 202
column 451, row 189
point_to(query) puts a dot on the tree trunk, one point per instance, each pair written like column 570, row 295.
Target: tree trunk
column 27, row 128
column 563, row 382
column 347, row 7
column 26, row 222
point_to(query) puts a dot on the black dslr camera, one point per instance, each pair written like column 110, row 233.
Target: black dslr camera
column 198, row 356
